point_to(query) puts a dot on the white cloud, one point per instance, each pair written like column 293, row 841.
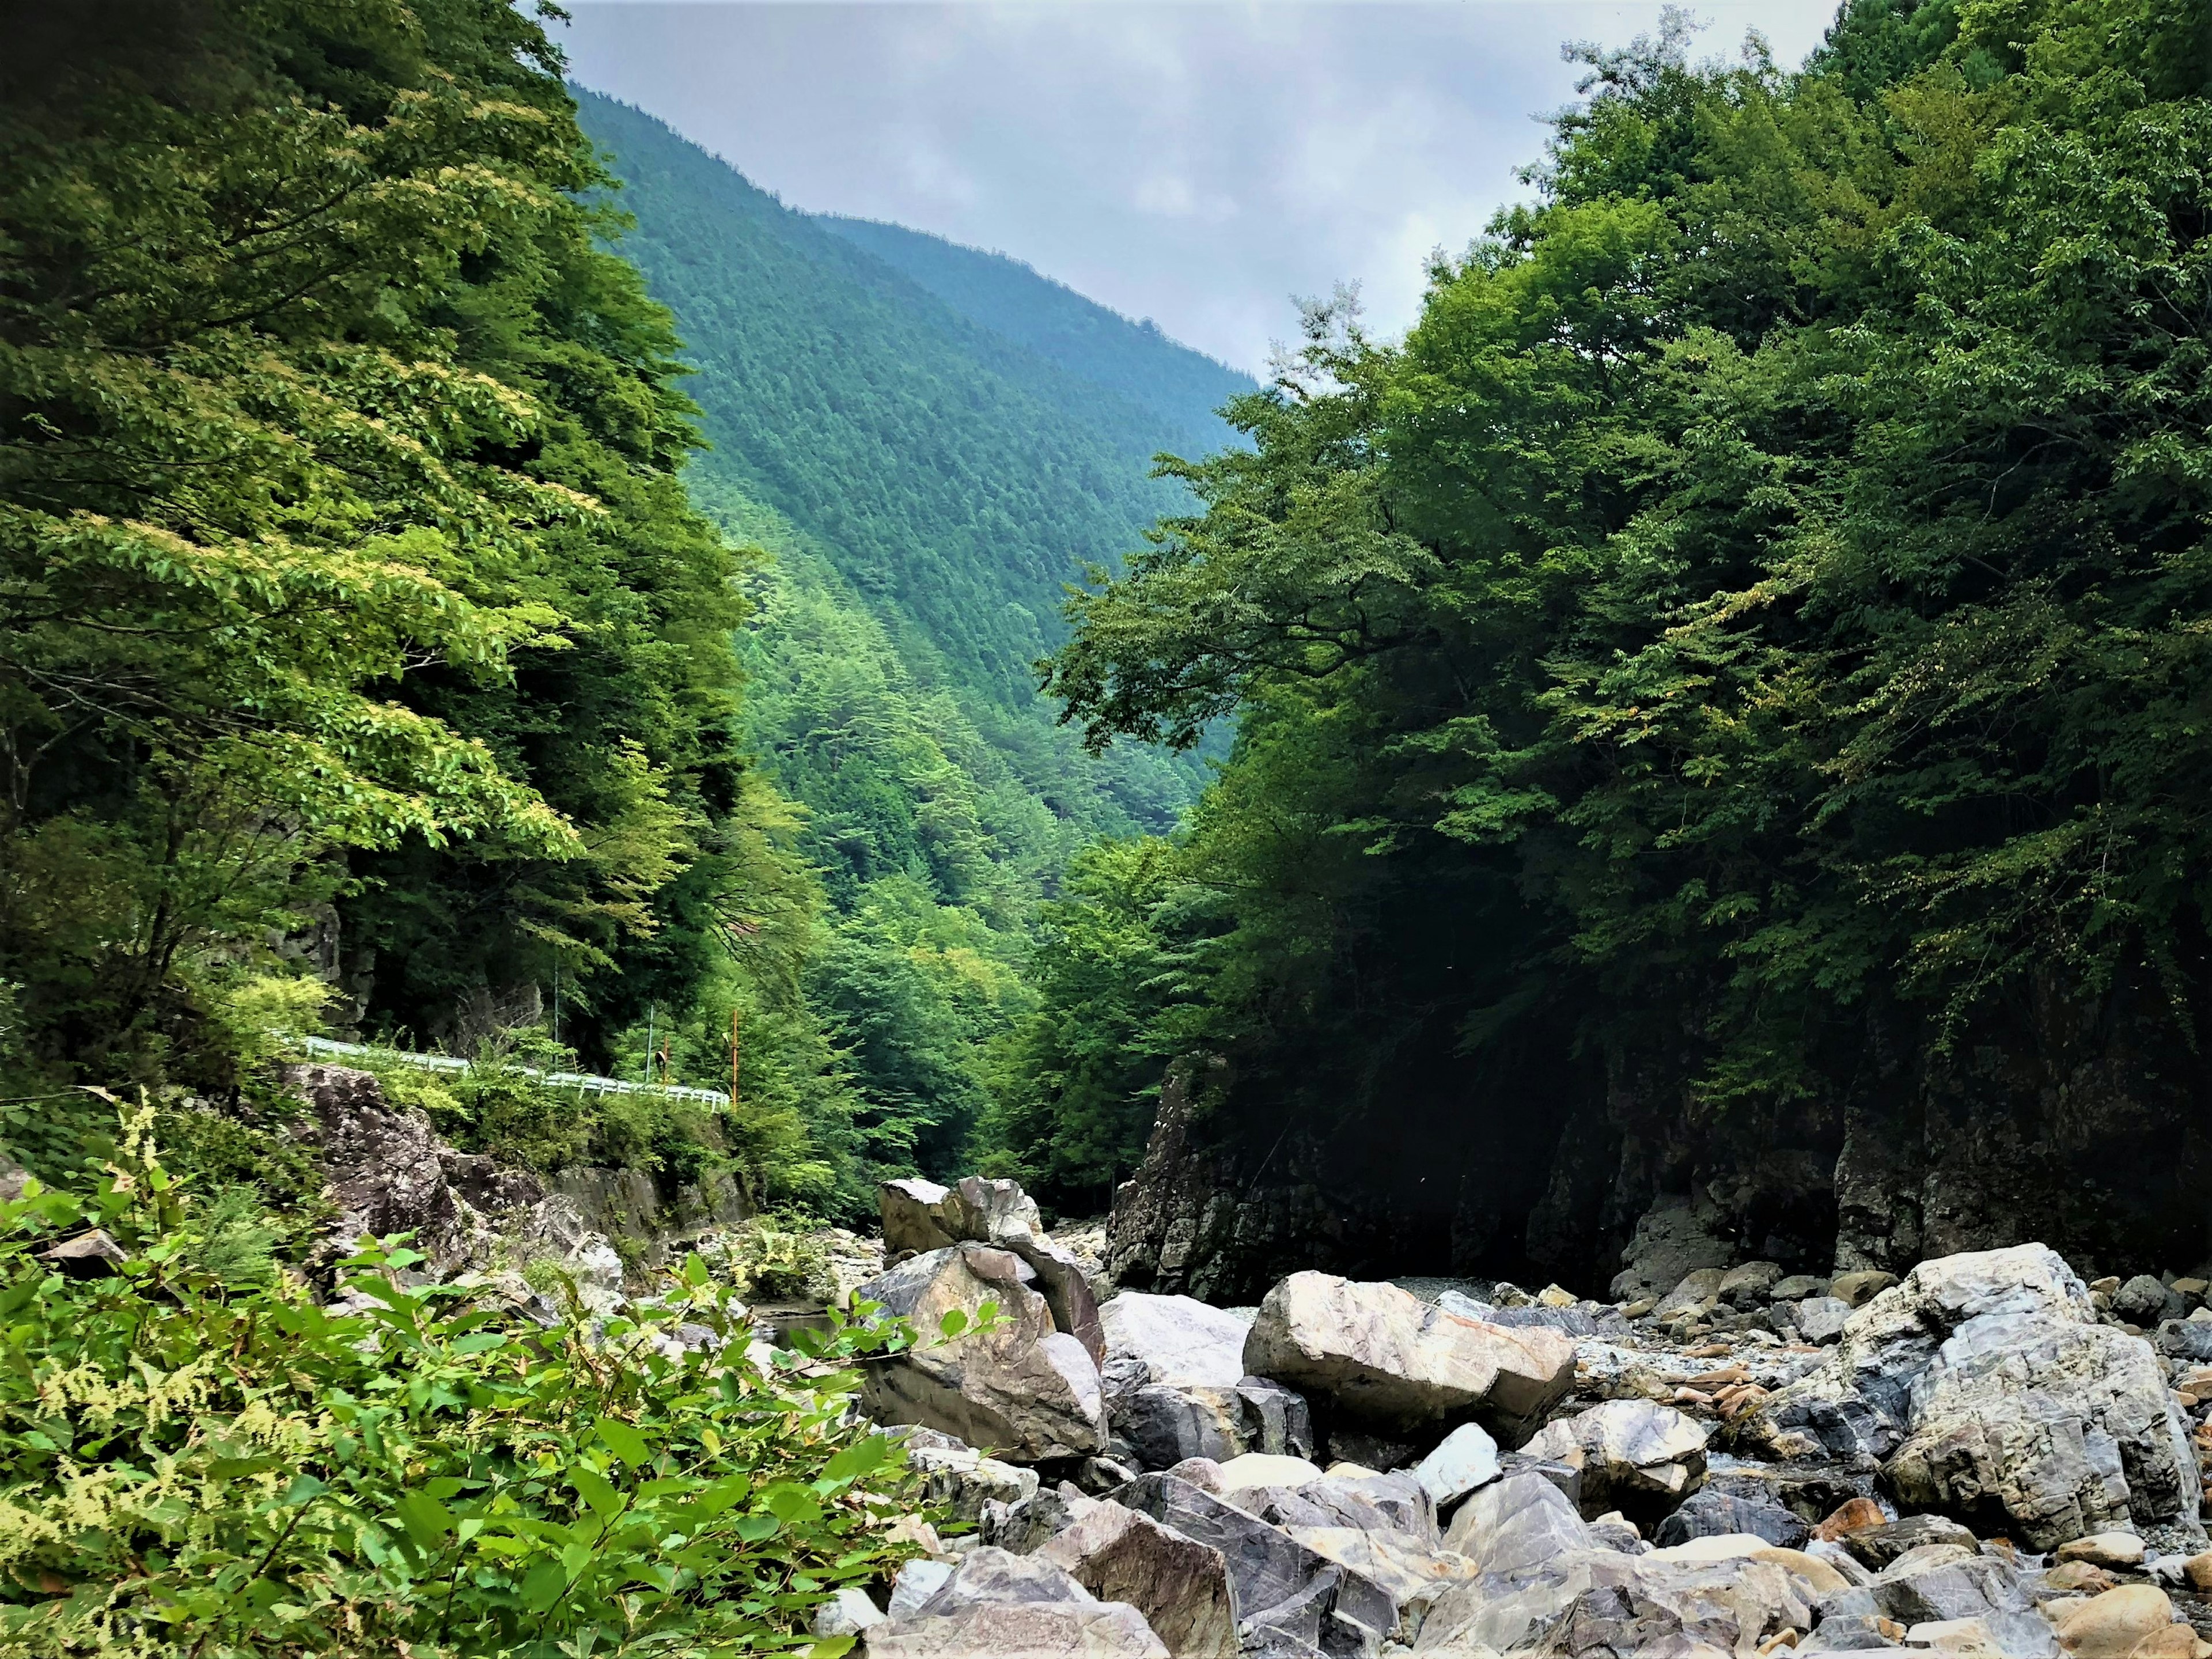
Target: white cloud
column 1198, row 163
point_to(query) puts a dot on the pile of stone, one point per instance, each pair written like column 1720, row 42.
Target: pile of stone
column 1979, row 1458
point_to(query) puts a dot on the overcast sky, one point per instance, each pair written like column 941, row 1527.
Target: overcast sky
column 1199, row 163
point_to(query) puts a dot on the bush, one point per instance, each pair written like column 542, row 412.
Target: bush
column 192, row 1466
column 776, row 1256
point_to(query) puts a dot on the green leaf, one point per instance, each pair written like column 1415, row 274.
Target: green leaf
column 624, row 1441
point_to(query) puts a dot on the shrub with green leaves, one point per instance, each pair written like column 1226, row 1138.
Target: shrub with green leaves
column 193, row 1466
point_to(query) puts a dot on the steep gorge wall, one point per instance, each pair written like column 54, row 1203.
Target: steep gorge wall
column 2085, row 1122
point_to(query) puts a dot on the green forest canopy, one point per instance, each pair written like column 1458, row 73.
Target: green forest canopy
column 1742, row 660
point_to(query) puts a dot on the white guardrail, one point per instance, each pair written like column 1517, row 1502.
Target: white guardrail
column 582, row 1082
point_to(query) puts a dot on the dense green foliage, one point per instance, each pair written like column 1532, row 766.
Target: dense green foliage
column 197, row 1460
column 1744, row 655
column 1177, row 386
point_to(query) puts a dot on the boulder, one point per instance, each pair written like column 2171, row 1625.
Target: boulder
column 1672, row 1238
column 1712, row 1513
column 1882, row 1546
column 1020, row 1607
column 962, row 1479
column 1381, row 1355
column 912, row 1216
column 1939, row 1588
column 1821, row 1319
column 1174, row 1340
column 1982, row 1385
column 917, row 1580
column 847, row 1612
column 1280, row 1584
column 1358, row 1499
column 1064, row 1286
column 1180, row 1585
column 1260, row 1469
column 15, row 1179
column 2114, row 1625
column 990, row 1212
column 2104, row 1549
column 1751, row 1284
column 1636, row 1456
column 1856, row 1289
column 1797, row 1287
column 1466, row 1459
column 1022, row 1388
column 91, row 1255
column 1176, row 1386
column 1696, row 1296
column 2145, row 1301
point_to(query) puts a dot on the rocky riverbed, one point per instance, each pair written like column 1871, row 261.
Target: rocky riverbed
column 1986, row 1457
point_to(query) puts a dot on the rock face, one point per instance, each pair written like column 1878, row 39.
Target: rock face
column 1983, row 1387
column 1023, row 1389
column 1381, row 1356
column 1672, row 1241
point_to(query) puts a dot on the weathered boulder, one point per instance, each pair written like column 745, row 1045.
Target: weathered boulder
column 1022, row 1388
column 1280, row 1584
column 990, row 1212
column 1698, row 1295
column 847, row 1612
column 1882, row 1546
column 2117, row 1624
column 1065, row 1287
column 1180, row 1585
column 1176, row 1386
column 2145, row 1301
column 1933, row 1584
column 1636, row 1456
column 1017, row 1606
column 1262, row 1469
column 1542, row 1582
column 92, row 1254
column 1174, row 1340
column 1712, row 1513
column 1381, row 1355
column 1466, row 1459
column 1983, row 1386
column 961, row 1478
column 1750, row 1283
column 912, row 1216
column 1821, row 1319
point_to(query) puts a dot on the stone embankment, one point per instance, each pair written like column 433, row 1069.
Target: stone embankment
column 1985, row 1457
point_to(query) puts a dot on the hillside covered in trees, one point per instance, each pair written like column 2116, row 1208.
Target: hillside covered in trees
column 1725, row 712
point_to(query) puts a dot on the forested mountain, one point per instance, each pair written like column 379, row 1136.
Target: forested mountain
column 1181, row 387
column 925, row 486
column 1726, row 716
column 955, row 479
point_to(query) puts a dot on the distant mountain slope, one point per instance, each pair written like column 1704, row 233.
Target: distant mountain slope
column 1181, row 387
column 936, row 473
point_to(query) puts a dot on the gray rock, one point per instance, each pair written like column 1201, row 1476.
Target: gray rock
column 1174, row 1340
column 964, row 1480
column 90, row 1255
column 1881, row 1547
column 1369, row 1449
column 1021, row 1527
column 912, row 1216
column 1022, row 1390
column 1797, row 1287
column 1180, row 1585
column 1163, row 1423
column 1636, row 1456
column 13, row 1179
column 1516, row 1527
column 1381, row 1356
column 990, row 1212
column 1064, row 1286
column 1466, row 1459
column 2144, row 1301
column 1982, row 1384
column 1750, row 1283
column 917, row 1580
column 1018, row 1607
column 1362, row 1503
column 1697, row 1295
column 2187, row 1338
column 1673, row 1238
column 1821, row 1319
column 848, row 1613
column 1981, row 1587
column 1566, row 1477
column 1712, row 1513
column 1278, row 1582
